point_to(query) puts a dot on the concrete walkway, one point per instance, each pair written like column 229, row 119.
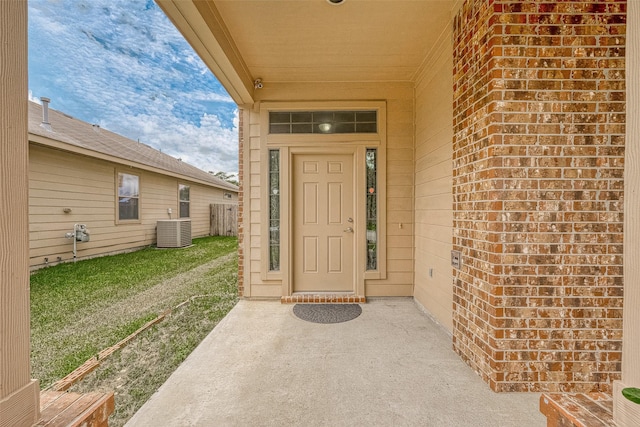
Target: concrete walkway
column 392, row 366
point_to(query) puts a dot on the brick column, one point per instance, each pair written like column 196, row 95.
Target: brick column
column 19, row 395
column 539, row 133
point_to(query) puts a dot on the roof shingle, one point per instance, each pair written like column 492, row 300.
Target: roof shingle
column 74, row 132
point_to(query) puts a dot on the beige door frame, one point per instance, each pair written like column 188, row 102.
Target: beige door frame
column 291, row 144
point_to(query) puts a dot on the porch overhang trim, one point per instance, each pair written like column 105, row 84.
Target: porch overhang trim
column 203, row 27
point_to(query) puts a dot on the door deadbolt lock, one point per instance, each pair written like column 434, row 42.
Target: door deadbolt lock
column 350, row 220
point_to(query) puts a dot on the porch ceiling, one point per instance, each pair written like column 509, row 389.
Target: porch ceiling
column 310, row 40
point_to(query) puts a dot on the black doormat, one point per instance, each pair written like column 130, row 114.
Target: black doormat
column 327, row 313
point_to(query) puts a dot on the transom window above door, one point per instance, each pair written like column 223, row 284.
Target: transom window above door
column 323, row 122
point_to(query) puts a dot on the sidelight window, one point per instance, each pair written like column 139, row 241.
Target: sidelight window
column 372, row 208
column 274, row 210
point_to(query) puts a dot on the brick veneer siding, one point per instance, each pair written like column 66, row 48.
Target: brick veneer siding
column 539, row 124
column 241, row 203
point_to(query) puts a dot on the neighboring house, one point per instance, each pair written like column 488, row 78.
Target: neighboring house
column 468, row 154
column 80, row 173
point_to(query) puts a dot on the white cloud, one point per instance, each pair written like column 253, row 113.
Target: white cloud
column 123, row 65
column 33, row 98
column 207, row 145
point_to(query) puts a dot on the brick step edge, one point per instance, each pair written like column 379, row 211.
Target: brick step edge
column 323, row 299
column 577, row 409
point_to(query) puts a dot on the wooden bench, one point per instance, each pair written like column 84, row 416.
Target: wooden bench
column 63, row 409
column 577, row 409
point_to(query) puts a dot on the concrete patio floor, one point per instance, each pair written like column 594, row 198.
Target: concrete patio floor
column 391, row 366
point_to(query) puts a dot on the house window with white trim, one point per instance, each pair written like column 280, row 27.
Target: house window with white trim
column 183, row 193
column 128, row 197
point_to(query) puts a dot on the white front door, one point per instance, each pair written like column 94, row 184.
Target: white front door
column 323, row 223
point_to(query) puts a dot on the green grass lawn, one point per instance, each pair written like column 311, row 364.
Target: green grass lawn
column 79, row 309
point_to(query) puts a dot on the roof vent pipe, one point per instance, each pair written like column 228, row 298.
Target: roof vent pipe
column 45, row 110
column 45, row 113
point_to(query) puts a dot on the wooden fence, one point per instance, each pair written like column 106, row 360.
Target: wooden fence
column 224, row 220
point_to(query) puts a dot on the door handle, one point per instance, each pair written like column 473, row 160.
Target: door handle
column 348, row 230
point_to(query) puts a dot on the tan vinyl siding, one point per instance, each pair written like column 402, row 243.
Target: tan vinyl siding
column 200, row 206
column 400, row 176
column 157, row 194
column 433, row 181
column 399, row 281
column 252, row 207
column 59, row 180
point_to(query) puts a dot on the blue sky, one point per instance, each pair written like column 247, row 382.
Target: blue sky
column 123, row 65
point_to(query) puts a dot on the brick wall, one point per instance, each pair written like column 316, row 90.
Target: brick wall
column 539, row 124
column 241, row 203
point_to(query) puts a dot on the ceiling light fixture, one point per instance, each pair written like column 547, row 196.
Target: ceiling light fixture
column 335, row 2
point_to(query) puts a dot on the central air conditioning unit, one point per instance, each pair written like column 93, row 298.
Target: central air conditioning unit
column 174, row 233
